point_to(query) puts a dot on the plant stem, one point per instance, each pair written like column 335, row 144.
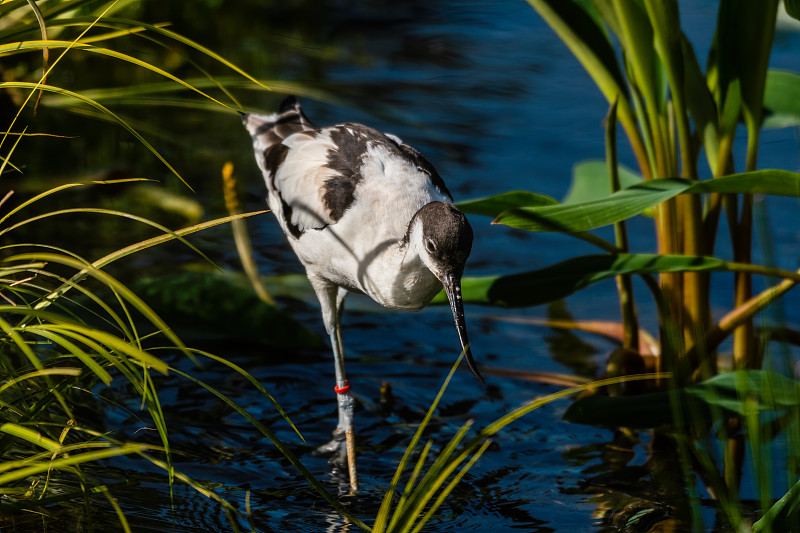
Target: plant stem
column 745, row 312
column 630, row 323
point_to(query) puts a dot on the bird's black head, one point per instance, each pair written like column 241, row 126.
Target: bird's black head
column 446, row 238
column 443, row 238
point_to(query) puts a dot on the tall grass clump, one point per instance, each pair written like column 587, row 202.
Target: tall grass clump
column 68, row 327
column 684, row 124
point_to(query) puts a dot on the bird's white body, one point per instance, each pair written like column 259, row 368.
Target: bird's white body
column 364, row 251
column 364, row 213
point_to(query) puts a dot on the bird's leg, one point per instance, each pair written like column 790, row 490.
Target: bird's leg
column 332, row 302
column 343, row 391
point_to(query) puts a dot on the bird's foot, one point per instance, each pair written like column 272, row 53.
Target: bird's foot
column 336, row 448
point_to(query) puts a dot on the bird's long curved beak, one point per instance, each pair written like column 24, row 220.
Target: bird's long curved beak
column 452, row 286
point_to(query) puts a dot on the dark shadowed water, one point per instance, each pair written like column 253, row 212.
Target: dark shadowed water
column 487, row 92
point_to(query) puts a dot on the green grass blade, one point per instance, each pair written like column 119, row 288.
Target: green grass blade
column 101, row 108
column 73, row 349
column 110, row 282
column 587, row 41
column 123, row 522
column 413, row 504
column 109, row 212
column 110, row 317
column 380, row 523
column 783, row 513
column 138, row 247
column 60, row 371
column 38, row 197
column 13, row 48
column 77, row 459
column 144, row 357
column 400, row 508
column 450, row 486
column 160, row 30
column 30, row 435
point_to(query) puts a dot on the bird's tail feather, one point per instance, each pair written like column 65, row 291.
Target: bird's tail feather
column 272, row 129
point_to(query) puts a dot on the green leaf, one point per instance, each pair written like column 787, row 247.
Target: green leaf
column 700, row 103
column 734, row 391
column 745, row 31
column 782, row 99
column 30, row 435
column 32, row 468
column 494, row 205
column 643, row 67
column 792, row 8
column 584, row 216
column 783, row 515
column 102, row 109
column 564, row 278
column 590, row 182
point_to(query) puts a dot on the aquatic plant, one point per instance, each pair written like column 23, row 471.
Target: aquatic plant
column 673, row 113
column 69, row 328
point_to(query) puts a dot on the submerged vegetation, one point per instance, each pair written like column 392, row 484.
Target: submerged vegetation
column 70, row 327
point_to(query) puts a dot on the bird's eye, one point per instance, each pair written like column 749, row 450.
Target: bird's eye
column 430, row 246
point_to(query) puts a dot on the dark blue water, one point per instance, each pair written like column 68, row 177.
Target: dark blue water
column 487, row 92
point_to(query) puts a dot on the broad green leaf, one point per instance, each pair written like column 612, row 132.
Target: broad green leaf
column 773, row 182
column 733, row 392
column 606, row 11
column 590, row 181
column 562, row 279
column 782, row 99
column 494, row 205
column 636, row 38
column 756, row 41
column 584, row 216
column 730, row 390
column 700, row 103
column 745, row 31
column 792, row 8
column 634, row 200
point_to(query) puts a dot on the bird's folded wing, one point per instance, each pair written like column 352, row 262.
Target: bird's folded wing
column 302, row 181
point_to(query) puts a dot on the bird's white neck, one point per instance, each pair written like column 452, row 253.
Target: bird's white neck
column 401, row 277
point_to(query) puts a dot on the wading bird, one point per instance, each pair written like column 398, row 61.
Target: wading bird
column 364, row 213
